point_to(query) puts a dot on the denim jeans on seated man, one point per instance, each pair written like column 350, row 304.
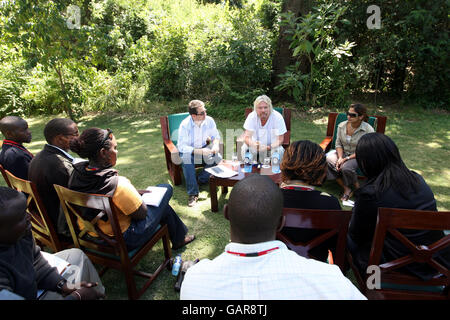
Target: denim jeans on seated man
column 189, row 160
column 140, row 231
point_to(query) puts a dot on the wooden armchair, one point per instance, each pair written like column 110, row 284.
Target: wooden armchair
column 393, row 283
column 110, row 252
column 335, row 221
column 169, row 132
column 285, row 112
column 43, row 230
column 334, row 118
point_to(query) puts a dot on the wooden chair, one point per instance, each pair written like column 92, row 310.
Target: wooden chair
column 169, row 132
column 335, row 221
column 111, row 252
column 334, row 119
column 286, row 113
column 393, row 283
column 3, row 171
column 43, row 230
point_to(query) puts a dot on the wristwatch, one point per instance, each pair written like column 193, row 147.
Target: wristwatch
column 347, row 158
column 60, row 285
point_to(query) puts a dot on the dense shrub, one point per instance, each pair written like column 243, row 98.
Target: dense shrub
column 128, row 55
column 234, row 60
column 12, row 84
column 408, row 56
column 314, row 41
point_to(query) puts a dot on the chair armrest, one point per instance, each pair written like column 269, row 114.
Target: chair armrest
column 240, row 138
column 170, row 146
column 221, row 148
column 326, row 144
column 286, row 139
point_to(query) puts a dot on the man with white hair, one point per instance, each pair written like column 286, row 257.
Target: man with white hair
column 264, row 130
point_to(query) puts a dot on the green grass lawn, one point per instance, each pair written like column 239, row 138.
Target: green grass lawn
column 423, row 138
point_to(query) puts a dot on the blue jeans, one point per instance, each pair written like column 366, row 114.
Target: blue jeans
column 188, row 166
column 140, row 231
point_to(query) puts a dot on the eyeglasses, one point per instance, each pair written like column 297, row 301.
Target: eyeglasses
column 75, row 134
column 352, row 115
column 108, row 133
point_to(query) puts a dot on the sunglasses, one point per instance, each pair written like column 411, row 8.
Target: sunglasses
column 352, row 115
column 108, row 133
column 75, row 134
column 201, row 113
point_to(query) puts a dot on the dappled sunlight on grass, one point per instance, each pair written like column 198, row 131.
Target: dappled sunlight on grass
column 141, row 131
column 124, row 160
column 36, row 121
column 35, row 144
column 323, row 120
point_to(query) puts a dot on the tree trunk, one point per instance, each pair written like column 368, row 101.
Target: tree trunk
column 283, row 54
column 398, row 78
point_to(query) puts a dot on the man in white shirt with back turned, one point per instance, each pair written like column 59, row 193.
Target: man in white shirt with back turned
column 264, row 130
column 254, row 265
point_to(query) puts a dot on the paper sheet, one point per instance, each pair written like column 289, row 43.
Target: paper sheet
column 348, row 203
column 55, row 261
column 221, row 171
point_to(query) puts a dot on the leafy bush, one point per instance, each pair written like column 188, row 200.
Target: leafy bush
column 12, row 85
column 166, row 72
column 408, row 56
column 233, row 62
column 314, row 39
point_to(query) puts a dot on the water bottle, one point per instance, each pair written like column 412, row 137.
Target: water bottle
column 248, row 161
column 176, row 265
column 235, row 163
column 276, row 162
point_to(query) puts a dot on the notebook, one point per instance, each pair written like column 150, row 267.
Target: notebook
column 154, row 197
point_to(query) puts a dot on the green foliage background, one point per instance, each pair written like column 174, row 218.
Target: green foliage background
column 128, row 55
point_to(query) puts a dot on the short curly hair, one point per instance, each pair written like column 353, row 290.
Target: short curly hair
column 304, row 160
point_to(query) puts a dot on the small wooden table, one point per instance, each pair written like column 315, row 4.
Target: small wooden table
column 215, row 182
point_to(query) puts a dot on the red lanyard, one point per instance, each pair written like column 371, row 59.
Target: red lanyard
column 298, row 188
column 16, row 145
column 252, row 254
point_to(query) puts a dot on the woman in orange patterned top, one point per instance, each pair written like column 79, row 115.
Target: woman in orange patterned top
column 137, row 221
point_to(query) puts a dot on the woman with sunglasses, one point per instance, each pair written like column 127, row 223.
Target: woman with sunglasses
column 342, row 163
column 137, row 221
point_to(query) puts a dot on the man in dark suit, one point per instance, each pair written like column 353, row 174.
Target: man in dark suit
column 54, row 165
column 14, row 157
